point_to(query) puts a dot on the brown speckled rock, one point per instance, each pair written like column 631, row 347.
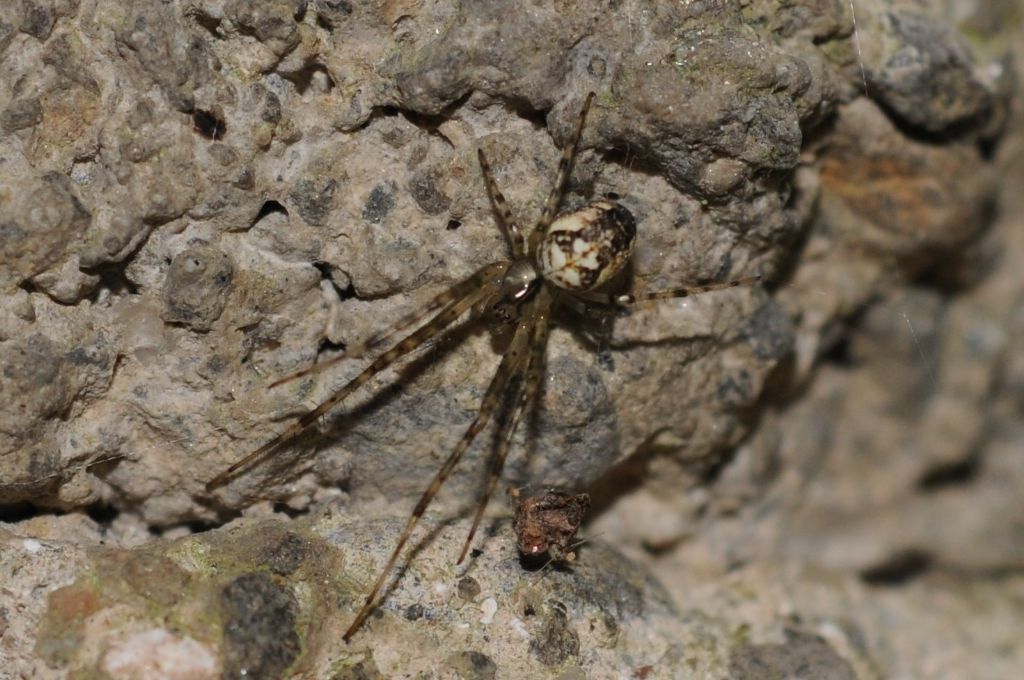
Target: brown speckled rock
column 196, row 288
column 267, row 190
column 604, row 615
column 199, row 198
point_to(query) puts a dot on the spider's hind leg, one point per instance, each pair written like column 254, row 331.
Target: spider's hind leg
column 373, row 342
column 614, row 302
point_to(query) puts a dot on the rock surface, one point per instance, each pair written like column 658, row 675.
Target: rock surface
column 263, row 596
column 197, row 198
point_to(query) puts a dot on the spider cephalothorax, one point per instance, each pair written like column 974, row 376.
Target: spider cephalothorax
column 561, row 262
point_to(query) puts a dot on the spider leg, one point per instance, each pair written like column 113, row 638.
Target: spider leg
column 476, row 288
column 537, row 326
column 509, row 366
column 613, row 302
column 595, row 309
column 377, row 339
column 516, row 240
column 564, row 165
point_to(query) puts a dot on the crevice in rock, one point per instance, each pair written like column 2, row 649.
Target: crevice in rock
column 840, row 354
column 428, row 123
column 207, row 22
column 328, row 345
column 29, row 287
column 431, row 122
column 945, row 475
column 959, row 130
column 198, row 526
column 324, row 24
column 103, row 514
column 113, row 279
column 631, row 159
column 899, row 569
column 522, row 108
column 209, row 124
column 195, row 526
column 269, row 208
column 307, row 77
column 12, row 513
column 292, row 513
column 327, row 274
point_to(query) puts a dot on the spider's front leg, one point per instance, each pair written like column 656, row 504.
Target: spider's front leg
column 514, row 235
column 564, row 166
column 511, row 366
column 533, row 329
column 453, row 304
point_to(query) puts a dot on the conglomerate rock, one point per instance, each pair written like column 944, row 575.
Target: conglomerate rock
column 197, row 198
column 269, row 595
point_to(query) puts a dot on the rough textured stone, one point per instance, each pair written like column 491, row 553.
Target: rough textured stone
column 42, row 216
column 21, row 114
column 602, row 616
column 801, row 656
column 199, row 198
column 259, row 621
column 922, row 69
column 196, row 287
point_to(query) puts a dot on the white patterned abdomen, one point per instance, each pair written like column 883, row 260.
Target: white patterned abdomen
column 584, row 249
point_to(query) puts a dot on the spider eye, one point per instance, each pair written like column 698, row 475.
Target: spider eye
column 584, row 249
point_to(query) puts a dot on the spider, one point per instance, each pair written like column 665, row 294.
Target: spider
column 563, row 261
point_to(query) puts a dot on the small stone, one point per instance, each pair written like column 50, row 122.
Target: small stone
column 468, row 588
column 197, row 286
column 472, row 665
column 259, row 627
column 287, row 554
column 555, row 642
column 801, row 656
column 314, row 199
column 21, row 114
column 379, row 204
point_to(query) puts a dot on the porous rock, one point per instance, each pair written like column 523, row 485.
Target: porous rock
column 199, row 198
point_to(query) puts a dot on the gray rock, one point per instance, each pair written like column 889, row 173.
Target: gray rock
column 196, row 201
column 197, row 287
column 21, row 114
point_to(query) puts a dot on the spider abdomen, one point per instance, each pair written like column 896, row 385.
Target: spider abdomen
column 584, row 249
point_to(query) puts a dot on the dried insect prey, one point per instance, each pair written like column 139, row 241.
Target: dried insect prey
column 546, row 523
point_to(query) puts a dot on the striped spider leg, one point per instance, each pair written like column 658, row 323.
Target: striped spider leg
column 563, row 260
column 452, row 303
